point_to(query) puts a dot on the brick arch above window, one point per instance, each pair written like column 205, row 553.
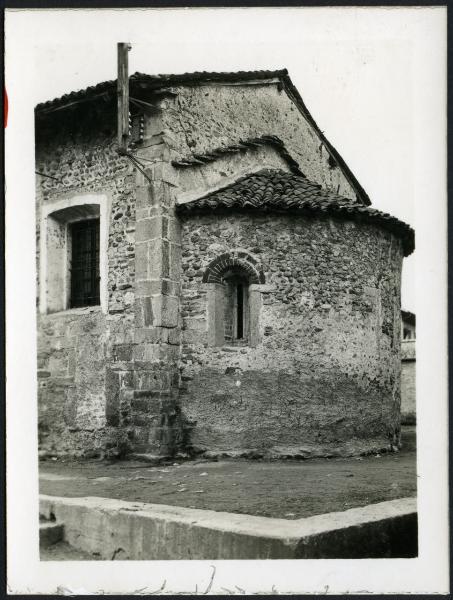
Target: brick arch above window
column 238, row 260
column 223, row 276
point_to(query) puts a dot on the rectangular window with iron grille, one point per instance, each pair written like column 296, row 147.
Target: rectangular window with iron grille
column 85, row 274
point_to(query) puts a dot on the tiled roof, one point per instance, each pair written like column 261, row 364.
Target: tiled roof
column 156, row 82
column 277, row 191
column 241, row 146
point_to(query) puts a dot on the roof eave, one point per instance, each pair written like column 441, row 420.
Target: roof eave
column 293, row 93
column 155, row 82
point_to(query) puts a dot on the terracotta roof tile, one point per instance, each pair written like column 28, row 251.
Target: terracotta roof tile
column 276, row 191
column 159, row 81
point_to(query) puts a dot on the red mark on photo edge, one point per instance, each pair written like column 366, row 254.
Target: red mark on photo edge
column 5, row 107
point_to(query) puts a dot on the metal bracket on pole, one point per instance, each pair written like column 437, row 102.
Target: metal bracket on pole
column 123, row 97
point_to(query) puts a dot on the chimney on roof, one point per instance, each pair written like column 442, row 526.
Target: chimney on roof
column 123, row 97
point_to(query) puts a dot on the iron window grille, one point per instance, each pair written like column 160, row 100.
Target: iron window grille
column 85, row 263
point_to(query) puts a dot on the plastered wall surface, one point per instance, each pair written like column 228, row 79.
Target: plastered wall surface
column 327, row 369
column 408, row 391
column 408, row 369
column 202, row 118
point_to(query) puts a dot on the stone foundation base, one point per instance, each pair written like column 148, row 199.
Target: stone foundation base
column 348, row 449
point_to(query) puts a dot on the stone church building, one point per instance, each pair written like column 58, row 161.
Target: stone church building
column 223, row 289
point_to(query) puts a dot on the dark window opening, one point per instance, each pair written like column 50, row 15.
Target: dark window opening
column 136, row 128
column 236, row 311
column 240, row 312
column 85, row 263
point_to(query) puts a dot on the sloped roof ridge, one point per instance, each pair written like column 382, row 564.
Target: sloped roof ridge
column 162, row 80
column 241, row 146
column 279, row 191
column 158, row 81
column 211, row 75
column 297, row 98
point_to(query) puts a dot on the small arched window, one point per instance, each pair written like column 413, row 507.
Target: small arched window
column 236, row 307
column 234, row 300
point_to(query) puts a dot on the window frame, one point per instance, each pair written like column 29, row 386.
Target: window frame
column 93, row 268
column 54, row 279
column 250, row 267
column 215, row 322
column 231, row 282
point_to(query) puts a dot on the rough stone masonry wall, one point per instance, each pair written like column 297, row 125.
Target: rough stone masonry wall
column 155, row 410
column 84, row 356
column 325, row 377
column 202, row 118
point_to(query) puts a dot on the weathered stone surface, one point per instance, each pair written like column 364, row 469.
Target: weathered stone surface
column 327, row 368
column 77, row 348
column 322, row 367
column 165, row 311
column 216, row 116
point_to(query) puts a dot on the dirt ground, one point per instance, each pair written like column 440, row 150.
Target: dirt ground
column 284, row 489
column 63, row 551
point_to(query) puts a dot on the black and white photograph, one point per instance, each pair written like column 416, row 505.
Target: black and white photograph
column 226, row 301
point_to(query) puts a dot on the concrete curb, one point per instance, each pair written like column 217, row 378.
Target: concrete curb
column 120, row 530
column 50, row 533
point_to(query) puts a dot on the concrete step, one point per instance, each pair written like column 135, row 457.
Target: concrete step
column 50, row 533
column 121, row 530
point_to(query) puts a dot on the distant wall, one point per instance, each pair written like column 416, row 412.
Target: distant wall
column 326, row 372
column 407, row 330
column 408, row 395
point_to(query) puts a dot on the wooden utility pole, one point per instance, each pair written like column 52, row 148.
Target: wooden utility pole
column 123, row 97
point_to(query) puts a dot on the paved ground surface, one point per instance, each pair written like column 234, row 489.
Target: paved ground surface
column 285, row 489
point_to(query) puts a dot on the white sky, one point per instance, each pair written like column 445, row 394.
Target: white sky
column 355, row 73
